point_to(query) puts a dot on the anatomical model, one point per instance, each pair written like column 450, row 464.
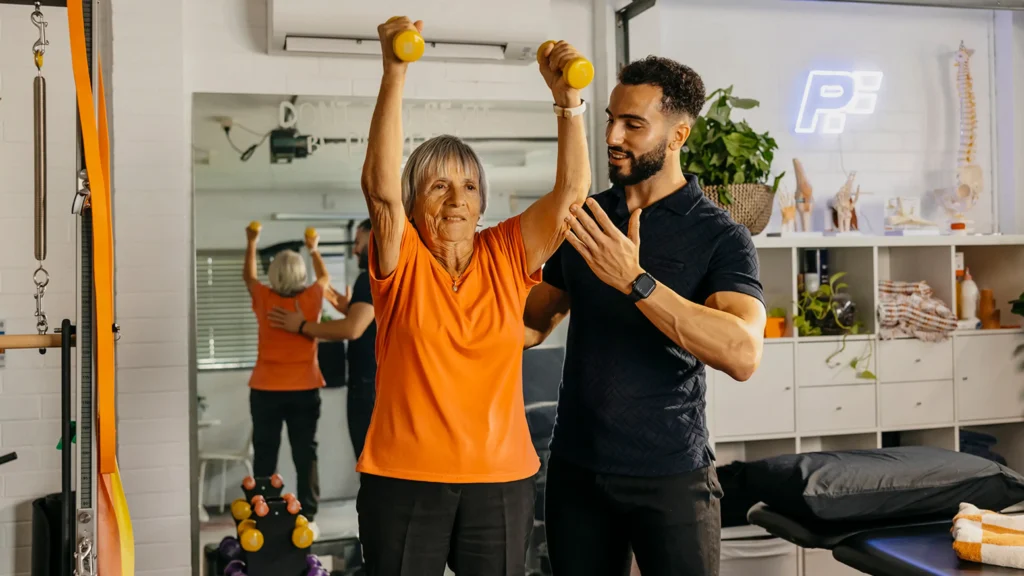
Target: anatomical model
column 845, row 205
column 904, row 216
column 968, row 174
column 804, row 196
column 787, row 205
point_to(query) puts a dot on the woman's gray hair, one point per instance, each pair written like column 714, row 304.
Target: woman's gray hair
column 432, row 158
column 287, row 273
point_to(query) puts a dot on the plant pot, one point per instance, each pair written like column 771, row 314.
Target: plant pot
column 751, row 204
column 775, row 328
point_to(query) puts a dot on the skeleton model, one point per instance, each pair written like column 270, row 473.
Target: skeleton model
column 845, row 205
column 788, row 206
column 968, row 174
column 804, row 196
column 904, row 216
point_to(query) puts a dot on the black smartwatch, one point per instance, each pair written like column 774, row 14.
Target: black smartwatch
column 301, row 326
column 642, row 287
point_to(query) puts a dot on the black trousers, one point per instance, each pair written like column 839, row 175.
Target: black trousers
column 411, row 528
column 594, row 521
column 359, row 409
column 300, row 411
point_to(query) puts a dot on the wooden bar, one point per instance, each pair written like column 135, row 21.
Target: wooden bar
column 24, row 341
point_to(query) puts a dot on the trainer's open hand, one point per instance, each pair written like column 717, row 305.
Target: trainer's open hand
column 555, row 57
column 386, row 32
column 339, row 301
column 613, row 256
column 288, row 320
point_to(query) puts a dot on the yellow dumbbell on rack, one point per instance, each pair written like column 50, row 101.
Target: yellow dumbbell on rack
column 579, row 72
column 408, row 44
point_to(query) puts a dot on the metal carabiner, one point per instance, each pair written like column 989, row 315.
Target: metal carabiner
column 39, row 48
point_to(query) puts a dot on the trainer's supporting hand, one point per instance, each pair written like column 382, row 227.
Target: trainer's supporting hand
column 287, row 320
column 400, row 42
column 565, row 71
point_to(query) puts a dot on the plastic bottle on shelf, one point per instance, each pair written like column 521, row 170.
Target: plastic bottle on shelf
column 969, row 295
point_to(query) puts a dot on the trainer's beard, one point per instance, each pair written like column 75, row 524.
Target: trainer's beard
column 642, row 168
column 364, row 260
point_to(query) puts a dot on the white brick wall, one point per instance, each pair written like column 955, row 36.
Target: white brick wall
column 30, row 383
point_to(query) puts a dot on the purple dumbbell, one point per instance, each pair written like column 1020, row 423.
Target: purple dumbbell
column 230, row 549
column 235, row 568
column 318, row 571
column 313, row 561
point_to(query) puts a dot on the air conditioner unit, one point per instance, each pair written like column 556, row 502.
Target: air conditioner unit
column 495, row 31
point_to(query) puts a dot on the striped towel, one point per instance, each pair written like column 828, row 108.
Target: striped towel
column 910, row 309
column 988, row 537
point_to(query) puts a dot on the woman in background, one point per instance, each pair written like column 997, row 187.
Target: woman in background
column 285, row 384
column 359, row 329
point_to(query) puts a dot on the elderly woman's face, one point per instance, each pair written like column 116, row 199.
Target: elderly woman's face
column 447, row 207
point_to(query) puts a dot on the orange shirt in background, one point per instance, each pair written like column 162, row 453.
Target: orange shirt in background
column 287, row 362
column 450, row 402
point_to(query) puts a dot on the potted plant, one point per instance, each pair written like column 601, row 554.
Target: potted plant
column 732, row 161
column 828, row 312
column 775, row 327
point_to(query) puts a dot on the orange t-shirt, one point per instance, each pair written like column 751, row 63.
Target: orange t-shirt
column 450, row 402
column 286, row 362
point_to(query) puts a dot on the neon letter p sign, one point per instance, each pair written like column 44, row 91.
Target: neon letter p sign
column 831, row 96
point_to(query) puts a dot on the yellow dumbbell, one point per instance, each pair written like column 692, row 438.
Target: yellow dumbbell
column 310, row 232
column 255, row 226
column 240, row 509
column 252, row 540
column 247, row 524
column 302, row 537
column 408, row 44
column 579, row 72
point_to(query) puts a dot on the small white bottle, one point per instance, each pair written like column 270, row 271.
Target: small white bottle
column 969, row 295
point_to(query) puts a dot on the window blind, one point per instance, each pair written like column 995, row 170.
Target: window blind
column 226, row 330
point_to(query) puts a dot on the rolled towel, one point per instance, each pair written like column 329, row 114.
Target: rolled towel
column 988, row 537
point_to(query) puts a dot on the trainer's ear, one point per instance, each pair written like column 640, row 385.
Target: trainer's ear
column 680, row 133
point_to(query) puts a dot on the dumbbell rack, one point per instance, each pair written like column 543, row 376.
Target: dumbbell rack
column 270, row 534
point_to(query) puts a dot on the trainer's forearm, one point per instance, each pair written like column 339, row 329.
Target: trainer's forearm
column 718, row 339
column 343, row 329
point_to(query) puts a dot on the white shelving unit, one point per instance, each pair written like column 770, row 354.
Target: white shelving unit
column 922, row 394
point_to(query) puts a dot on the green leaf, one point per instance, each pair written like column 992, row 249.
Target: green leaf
column 725, row 197
column 836, row 276
column 867, row 375
column 775, row 185
column 743, row 103
column 853, row 363
column 740, row 177
column 839, row 286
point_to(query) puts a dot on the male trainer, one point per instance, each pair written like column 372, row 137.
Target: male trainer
column 660, row 283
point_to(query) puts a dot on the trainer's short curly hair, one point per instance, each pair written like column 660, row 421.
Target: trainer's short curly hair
column 682, row 89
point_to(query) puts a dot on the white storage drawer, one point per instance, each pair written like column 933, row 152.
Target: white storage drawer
column 761, row 405
column 988, row 385
column 914, row 360
column 916, row 403
column 812, row 370
column 836, row 408
column 761, row 557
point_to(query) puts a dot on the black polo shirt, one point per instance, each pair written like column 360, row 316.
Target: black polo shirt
column 631, row 401
column 362, row 358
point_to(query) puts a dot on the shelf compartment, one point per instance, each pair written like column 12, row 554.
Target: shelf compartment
column 828, row 443
column 1008, row 440
column 997, row 268
column 904, row 405
column 778, row 281
column 859, row 267
column 727, row 452
column 762, row 405
column 941, row 437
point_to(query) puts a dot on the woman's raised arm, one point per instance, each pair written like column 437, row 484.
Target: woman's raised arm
column 381, row 179
column 543, row 223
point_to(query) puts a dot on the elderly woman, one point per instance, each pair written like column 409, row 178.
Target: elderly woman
column 285, row 384
column 447, row 470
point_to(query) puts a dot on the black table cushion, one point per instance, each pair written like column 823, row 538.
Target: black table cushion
column 881, row 484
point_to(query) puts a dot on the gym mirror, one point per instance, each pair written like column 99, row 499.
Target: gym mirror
column 294, row 162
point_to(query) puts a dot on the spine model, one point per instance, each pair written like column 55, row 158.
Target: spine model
column 968, row 174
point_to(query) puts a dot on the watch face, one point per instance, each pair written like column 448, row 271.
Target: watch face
column 644, row 285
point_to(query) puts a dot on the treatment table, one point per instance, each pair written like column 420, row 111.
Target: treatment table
column 917, row 547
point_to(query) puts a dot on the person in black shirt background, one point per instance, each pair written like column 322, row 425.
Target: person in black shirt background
column 359, row 328
column 660, row 282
